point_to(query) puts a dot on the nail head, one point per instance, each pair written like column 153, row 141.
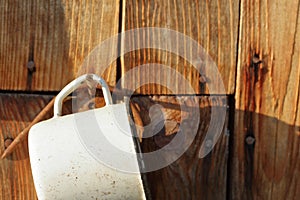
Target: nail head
column 208, row 143
column 7, row 142
column 202, row 79
column 250, row 140
column 31, row 66
column 256, row 60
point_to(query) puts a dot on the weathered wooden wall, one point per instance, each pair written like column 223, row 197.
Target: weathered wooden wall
column 213, row 24
column 56, row 36
column 189, row 177
column 266, row 142
column 17, row 111
column 255, row 44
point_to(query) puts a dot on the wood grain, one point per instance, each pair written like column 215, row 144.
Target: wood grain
column 212, row 24
column 267, row 102
column 189, row 177
column 16, row 112
column 57, row 36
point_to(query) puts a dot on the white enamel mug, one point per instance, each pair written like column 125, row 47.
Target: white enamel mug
column 62, row 165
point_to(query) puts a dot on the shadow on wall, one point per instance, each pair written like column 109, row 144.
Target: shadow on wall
column 190, row 177
column 264, row 150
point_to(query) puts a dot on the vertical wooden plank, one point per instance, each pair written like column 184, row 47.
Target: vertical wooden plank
column 57, row 36
column 189, row 177
column 16, row 112
column 266, row 142
column 14, row 43
column 213, row 24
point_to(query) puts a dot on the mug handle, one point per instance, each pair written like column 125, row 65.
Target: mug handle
column 68, row 89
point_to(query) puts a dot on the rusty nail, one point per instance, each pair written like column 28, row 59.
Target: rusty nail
column 202, row 79
column 256, row 60
column 208, row 143
column 250, row 140
column 31, row 66
column 227, row 132
column 227, row 107
column 7, row 142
